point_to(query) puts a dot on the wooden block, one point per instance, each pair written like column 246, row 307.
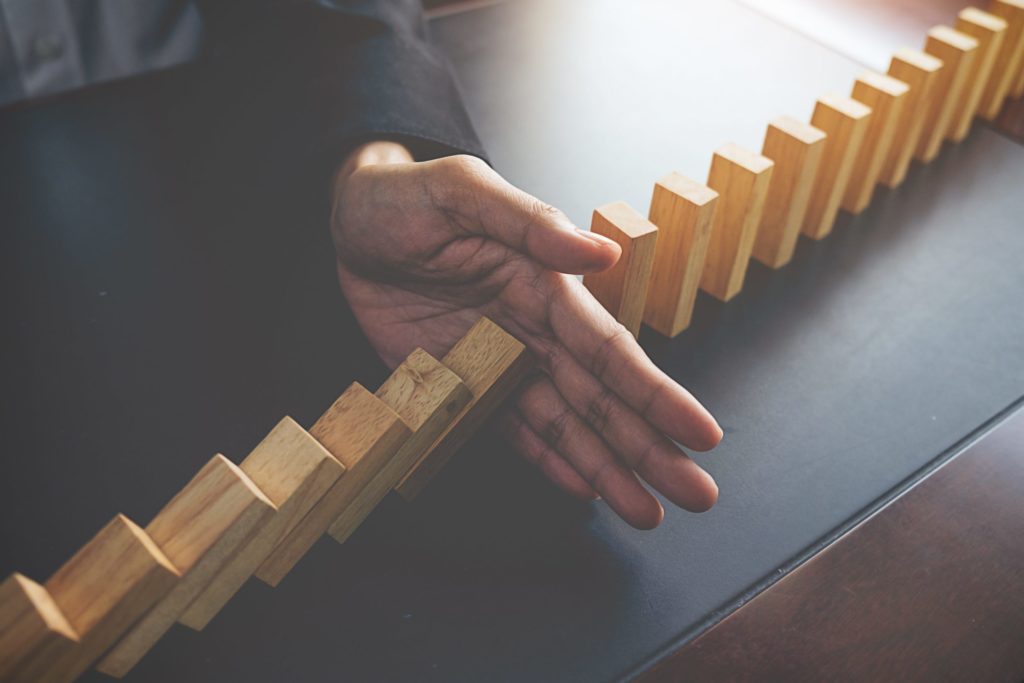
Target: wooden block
column 491, row 362
column 989, row 30
column 33, row 630
column 846, row 123
column 885, row 95
column 294, row 471
column 102, row 590
column 1008, row 72
column 622, row 289
column 683, row 211
column 741, row 179
column 957, row 52
column 920, row 71
column 796, row 148
column 428, row 397
column 199, row 530
column 362, row 433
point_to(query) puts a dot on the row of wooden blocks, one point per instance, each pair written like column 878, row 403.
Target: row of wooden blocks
column 115, row 598
column 699, row 236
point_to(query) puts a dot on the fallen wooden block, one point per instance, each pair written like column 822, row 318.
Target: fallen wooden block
column 1009, row 68
column 957, row 52
column 796, row 148
column 293, row 471
column 199, row 530
column 885, row 95
column 846, row 123
column 683, row 211
column 33, row 630
column 741, row 179
column 920, row 71
column 622, row 289
column 101, row 591
column 428, row 397
column 989, row 30
column 491, row 362
column 362, row 433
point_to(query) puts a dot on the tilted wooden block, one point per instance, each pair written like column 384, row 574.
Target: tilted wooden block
column 885, row 95
column 846, row 123
column 741, row 179
column 796, row 148
column 920, row 71
column 1008, row 73
column 33, row 630
column 491, row 362
column 683, row 211
column 102, row 590
column 957, row 52
column 622, row 289
column 989, row 30
column 294, row 471
column 199, row 530
column 362, row 433
column 428, row 397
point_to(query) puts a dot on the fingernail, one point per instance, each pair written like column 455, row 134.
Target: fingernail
column 594, row 237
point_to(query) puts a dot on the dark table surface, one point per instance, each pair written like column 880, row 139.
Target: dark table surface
column 169, row 293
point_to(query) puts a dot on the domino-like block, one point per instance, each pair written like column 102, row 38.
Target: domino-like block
column 33, row 630
column 920, row 71
column 885, row 95
column 294, row 471
column 846, row 122
column 1008, row 75
column 741, row 179
column 989, row 30
column 102, row 590
column 362, row 433
column 797, row 149
column 199, row 530
column 491, row 362
column 683, row 211
column 622, row 289
column 427, row 396
column 957, row 52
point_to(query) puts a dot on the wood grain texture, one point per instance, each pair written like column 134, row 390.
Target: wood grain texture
column 1009, row 69
column 885, row 95
column 957, row 52
column 920, row 71
column 428, row 397
column 683, row 211
column 32, row 629
column 199, row 530
column 102, row 590
column 489, row 361
column 927, row 589
column 294, row 472
column 362, row 433
column 989, row 30
column 846, row 123
column 741, row 179
column 622, row 289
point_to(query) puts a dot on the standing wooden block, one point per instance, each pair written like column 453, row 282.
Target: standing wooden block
column 428, row 397
column 741, row 179
column 33, row 630
column 989, row 30
column 362, row 433
column 101, row 591
column 846, row 123
column 796, row 148
column 885, row 95
column 491, row 362
column 199, row 530
column 294, row 471
column 1009, row 69
column 957, row 52
column 622, row 289
column 920, row 71
column 683, row 211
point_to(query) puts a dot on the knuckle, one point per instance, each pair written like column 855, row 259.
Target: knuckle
column 604, row 354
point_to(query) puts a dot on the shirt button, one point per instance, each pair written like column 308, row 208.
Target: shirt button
column 47, row 48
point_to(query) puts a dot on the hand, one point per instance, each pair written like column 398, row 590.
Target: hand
column 425, row 248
